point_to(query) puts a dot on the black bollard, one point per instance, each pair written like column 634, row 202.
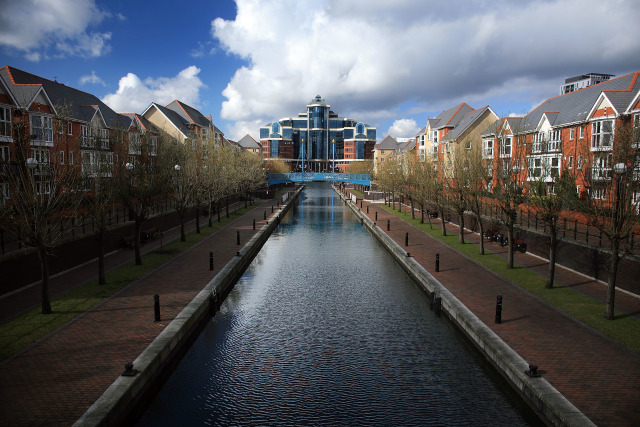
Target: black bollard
column 238, row 237
column 437, row 262
column 388, row 225
column 367, row 209
column 406, row 239
column 272, row 209
column 265, row 215
column 376, row 215
column 499, row 309
column 360, row 204
column 156, row 307
column 254, row 223
column 210, row 260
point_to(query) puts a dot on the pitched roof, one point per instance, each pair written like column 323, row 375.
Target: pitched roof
column 189, row 114
column 450, row 117
column 78, row 105
column 389, row 143
column 574, row 107
column 248, row 142
column 465, row 123
column 142, row 122
column 176, row 119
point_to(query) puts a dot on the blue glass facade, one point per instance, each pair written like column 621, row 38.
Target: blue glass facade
column 317, row 136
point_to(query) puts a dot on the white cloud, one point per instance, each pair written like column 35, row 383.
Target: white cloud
column 381, row 60
column 403, row 128
column 91, row 78
column 33, row 26
column 134, row 95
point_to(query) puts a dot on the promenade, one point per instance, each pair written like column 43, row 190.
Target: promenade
column 599, row 376
column 55, row 380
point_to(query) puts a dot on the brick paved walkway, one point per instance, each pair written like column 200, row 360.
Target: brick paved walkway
column 599, row 376
column 56, row 380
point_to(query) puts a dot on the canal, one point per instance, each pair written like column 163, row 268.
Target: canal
column 324, row 328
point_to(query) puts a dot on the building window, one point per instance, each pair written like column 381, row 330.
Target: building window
column 70, row 157
column 42, row 155
column 434, row 136
column 601, row 135
column 554, row 140
column 5, row 124
column 505, row 147
column 572, row 132
column 42, row 129
column 70, row 128
column 487, row 149
column 467, row 145
column 104, row 139
column 360, row 129
column 581, row 133
column 62, row 157
column 570, row 163
column 599, row 192
column 5, row 154
column 153, row 146
column 87, row 136
column 134, row 143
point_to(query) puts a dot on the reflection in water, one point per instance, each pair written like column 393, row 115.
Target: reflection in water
column 325, row 329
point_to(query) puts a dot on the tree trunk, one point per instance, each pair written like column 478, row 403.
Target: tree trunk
column 553, row 245
column 198, row 218
column 461, row 233
column 481, row 226
column 183, row 237
column 44, row 271
column 421, row 213
column 210, row 219
column 413, row 213
column 510, row 245
column 218, row 210
column 101, row 273
column 442, row 221
column 611, row 281
column 227, row 207
column 138, row 227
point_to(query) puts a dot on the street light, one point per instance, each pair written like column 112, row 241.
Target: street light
column 129, row 166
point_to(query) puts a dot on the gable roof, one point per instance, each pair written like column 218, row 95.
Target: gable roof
column 465, row 123
column 389, row 143
column 174, row 118
column 248, row 142
column 574, row 107
column 78, row 105
column 450, row 117
column 189, row 114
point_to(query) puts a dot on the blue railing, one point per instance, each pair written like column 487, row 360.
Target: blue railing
column 355, row 178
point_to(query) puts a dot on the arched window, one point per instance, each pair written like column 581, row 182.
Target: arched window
column 275, row 128
column 359, row 129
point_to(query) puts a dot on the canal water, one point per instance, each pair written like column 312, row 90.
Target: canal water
column 324, row 328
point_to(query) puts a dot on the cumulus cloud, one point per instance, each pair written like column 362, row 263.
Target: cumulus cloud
column 368, row 57
column 33, row 27
column 135, row 95
column 92, row 79
column 403, row 128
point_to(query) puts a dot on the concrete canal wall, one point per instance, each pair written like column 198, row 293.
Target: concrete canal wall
column 541, row 396
column 125, row 398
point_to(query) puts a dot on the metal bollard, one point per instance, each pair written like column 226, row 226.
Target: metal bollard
column 406, row 239
column 437, row 262
column 499, row 309
column 360, row 204
column 238, row 237
column 265, row 215
column 388, row 225
column 376, row 215
column 156, row 307
column 210, row 260
column 367, row 209
column 254, row 223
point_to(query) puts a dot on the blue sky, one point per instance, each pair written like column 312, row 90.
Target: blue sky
column 390, row 64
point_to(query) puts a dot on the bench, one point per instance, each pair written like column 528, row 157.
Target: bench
column 149, row 234
column 491, row 235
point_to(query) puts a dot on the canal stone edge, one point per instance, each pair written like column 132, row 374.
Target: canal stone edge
column 123, row 398
column 541, row 396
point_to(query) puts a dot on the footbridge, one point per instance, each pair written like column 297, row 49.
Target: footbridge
column 355, row 178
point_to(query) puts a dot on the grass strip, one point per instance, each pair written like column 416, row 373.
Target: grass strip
column 624, row 329
column 30, row 326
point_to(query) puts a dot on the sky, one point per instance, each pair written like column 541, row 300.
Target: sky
column 391, row 64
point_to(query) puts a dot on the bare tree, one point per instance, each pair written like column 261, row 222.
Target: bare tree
column 609, row 204
column 183, row 177
column 43, row 189
column 476, row 190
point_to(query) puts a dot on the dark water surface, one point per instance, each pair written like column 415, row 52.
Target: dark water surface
column 325, row 329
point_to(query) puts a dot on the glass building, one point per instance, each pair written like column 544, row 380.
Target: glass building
column 318, row 139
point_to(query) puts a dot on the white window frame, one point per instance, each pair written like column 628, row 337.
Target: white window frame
column 61, row 158
column 5, row 124
column 104, row 139
column 135, row 147
column 5, row 153
column 601, row 137
column 572, row 133
column 87, row 136
column 42, row 129
column 487, row 148
column 506, row 149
